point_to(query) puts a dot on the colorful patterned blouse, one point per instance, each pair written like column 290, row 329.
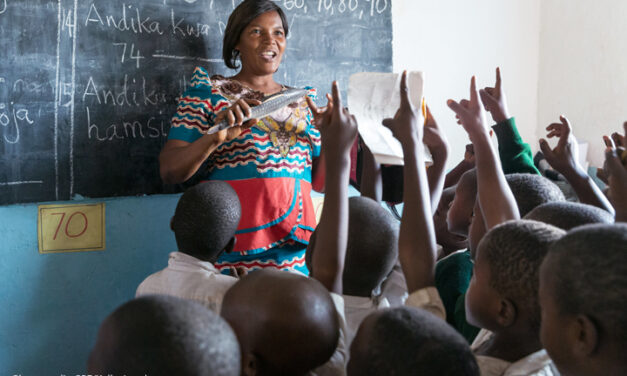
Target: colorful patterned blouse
column 268, row 165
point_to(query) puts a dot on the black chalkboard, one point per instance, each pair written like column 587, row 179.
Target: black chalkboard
column 87, row 88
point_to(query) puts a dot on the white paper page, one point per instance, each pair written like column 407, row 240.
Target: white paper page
column 373, row 97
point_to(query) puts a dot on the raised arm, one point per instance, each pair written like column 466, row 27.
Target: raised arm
column 495, row 197
column 416, row 240
column 468, row 163
column 436, row 141
column 338, row 129
column 179, row 160
column 564, row 158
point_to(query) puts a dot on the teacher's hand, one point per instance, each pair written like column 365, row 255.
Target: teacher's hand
column 235, row 115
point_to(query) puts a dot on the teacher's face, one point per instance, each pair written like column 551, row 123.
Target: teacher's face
column 261, row 44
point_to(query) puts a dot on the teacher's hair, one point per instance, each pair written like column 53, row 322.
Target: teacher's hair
column 239, row 19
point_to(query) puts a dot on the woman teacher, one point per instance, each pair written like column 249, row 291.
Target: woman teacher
column 272, row 163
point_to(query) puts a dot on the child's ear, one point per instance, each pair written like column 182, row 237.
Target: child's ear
column 230, row 246
column 587, row 335
column 249, row 364
column 507, row 313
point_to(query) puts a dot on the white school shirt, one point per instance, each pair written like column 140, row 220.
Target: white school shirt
column 535, row 364
column 189, row 278
column 356, row 309
column 427, row 299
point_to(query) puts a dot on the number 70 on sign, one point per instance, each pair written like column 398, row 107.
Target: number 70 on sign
column 71, row 228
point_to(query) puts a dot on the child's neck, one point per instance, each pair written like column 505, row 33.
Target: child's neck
column 511, row 345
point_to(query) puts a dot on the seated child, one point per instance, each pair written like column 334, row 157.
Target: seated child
column 583, row 290
column 163, row 336
column 409, row 341
column 532, row 190
column 449, row 241
column 567, row 215
column 502, row 298
column 204, row 225
column 286, row 324
column 372, row 250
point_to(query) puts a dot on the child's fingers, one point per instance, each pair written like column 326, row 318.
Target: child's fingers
column 404, row 91
column 613, row 163
column 486, row 97
column 465, row 103
column 474, row 96
column 456, row 107
column 609, row 143
column 337, row 99
column 497, row 86
column 546, row 149
column 617, row 138
column 565, row 132
column 388, row 123
column 312, row 105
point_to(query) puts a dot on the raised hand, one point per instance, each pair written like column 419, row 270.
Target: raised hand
column 564, row 157
column 338, row 128
column 470, row 113
column 317, row 112
column 404, row 125
column 494, row 101
column 616, row 172
column 433, row 136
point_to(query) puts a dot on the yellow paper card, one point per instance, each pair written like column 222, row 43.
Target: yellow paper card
column 71, row 228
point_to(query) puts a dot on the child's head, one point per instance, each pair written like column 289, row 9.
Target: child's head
column 409, row 341
column 532, row 190
column 567, row 215
column 529, row 191
column 450, row 242
column 583, row 294
column 205, row 220
column 372, row 247
column 503, row 291
column 461, row 207
column 164, row 335
column 286, row 324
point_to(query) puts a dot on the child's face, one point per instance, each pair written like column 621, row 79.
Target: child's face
column 554, row 327
column 482, row 300
column 449, row 241
column 460, row 210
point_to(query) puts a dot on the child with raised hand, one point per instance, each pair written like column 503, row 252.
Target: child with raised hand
column 416, row 347
column 162, row 335
column 616, row 171
column 204, row 225
column 564, row 158
column 583, row 290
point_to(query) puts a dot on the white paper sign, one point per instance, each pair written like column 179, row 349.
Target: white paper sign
column 373, row 97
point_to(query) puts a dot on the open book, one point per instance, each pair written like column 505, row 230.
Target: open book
column 373, row 97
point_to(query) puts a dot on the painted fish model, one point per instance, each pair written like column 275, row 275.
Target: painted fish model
column 270, row 104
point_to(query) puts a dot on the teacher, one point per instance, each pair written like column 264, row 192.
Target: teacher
column 272, row 163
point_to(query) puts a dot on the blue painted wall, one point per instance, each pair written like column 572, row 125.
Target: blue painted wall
column 52, row 305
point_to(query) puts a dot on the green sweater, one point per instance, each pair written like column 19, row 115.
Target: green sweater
column 453, row 273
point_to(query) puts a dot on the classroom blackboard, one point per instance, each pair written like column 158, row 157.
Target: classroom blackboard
column 87, row 88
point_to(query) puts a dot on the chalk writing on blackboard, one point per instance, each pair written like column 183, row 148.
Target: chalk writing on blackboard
column 88, row 87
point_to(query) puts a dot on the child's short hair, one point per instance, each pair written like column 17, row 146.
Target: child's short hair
column 409, row 341
column 531, row 190
column 372, row 246
column 514, row 251
column 288, row 322
column 206, row 218
column 567, row 215
column 164, row 335
column 589, row 268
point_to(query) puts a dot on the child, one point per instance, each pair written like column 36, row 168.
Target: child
column 409, row 341
column 583, row 290
column 204, row 225
column 279, row 331
column 502, row 298
column 163, row 336
column 567, row 215
column 449, row 241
